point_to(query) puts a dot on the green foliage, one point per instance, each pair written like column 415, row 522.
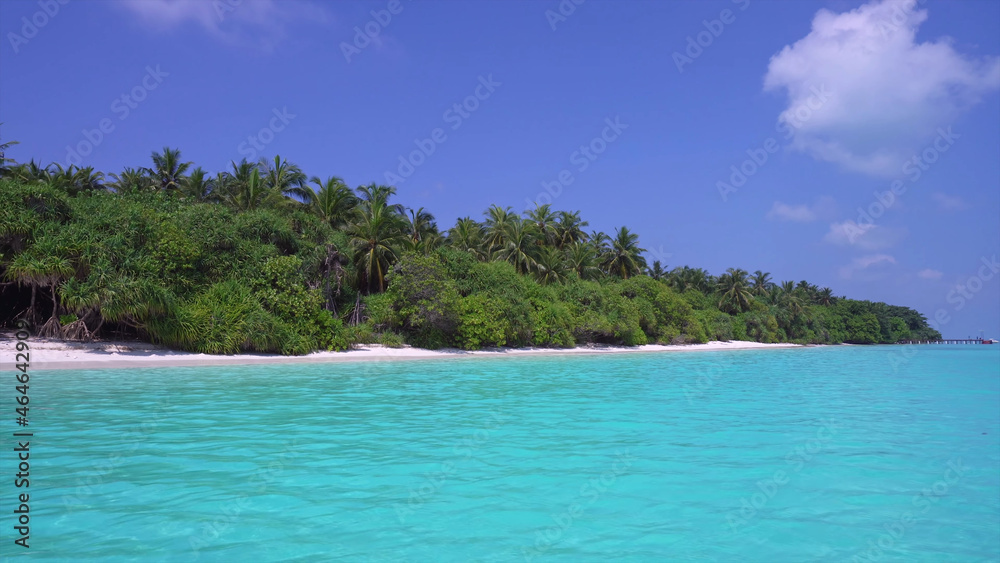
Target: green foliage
column 863, row 329
column 424, row 302
column 252, row 259
column 483, row 323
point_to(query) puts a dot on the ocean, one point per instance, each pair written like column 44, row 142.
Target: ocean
column 845, row 453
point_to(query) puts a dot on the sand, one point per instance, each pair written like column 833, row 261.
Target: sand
column 56, row 354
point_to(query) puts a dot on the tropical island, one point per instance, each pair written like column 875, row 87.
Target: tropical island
column 263, row 258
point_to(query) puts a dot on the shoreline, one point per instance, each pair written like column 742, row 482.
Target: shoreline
column 49, row 354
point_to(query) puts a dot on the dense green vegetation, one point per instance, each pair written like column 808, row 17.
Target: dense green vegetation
column 263, row 258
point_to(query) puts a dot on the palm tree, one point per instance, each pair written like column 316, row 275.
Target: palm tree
column 761, row 283
column 420, row 224
column 544, row 220
column 467, row 235
column 4, row 161
column 734, row 291
column 379, row 193
column 334, row 201
column 498, row 224
column 73, row 180
column 376, row 232
column 199, row 188
column 519, row 246
column 130, row 180
column 582, row 259
column 30, row 173
column 569, row 229
column 825, row 297
column 249, row 194
column 550, row 267
column 168, row 170
column 624, row 259
column 286, row 178
column 656, row 272
column 601, row 242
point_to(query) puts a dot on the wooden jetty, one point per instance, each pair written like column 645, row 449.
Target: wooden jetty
column 946, row 341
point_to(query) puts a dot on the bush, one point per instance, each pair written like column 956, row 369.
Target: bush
column 424, row 301
column 483, row 323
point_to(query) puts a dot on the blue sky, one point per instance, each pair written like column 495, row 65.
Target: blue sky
column 645, row 126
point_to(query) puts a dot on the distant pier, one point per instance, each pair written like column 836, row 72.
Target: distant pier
column 944, row 341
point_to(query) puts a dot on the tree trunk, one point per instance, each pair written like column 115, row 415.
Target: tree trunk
column 31, row 309
column 55, row 303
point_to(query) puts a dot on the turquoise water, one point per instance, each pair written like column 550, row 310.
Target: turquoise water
column 777, row 455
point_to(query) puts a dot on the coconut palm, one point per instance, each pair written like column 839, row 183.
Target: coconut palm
column 624, row 258
column 656, row 272
column 334, row 202
column 420, row 224
column 131, row 180
column 4, row 161
column 30, row 173
column 497, row 227
column 582, row 259
column 825, row 296
column 249, row 194
column 569, row 229
column 550, row 266
column 286, row 178
column 467, row 235
column 519, row 246
column 544, row 220
column 198, row 187
column 734, row 291
column 376, row 232
column 168, row 170
column 761, row 283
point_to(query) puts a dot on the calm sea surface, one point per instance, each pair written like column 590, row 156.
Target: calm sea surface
column 821, row 454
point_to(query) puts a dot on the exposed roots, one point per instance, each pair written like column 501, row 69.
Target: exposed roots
column 77, row 330
column 51, row 329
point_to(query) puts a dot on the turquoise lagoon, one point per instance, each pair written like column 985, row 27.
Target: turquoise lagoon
column 819, row 454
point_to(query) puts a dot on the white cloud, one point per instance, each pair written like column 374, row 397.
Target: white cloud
column 888, row 93
column 232, row 21
column 930, row 274
column 786, row 212
column 801, row 213
column 865, row 236
column 865, row 263
column 949, row 203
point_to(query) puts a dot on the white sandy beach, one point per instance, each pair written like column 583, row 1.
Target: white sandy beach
column 55, row 354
